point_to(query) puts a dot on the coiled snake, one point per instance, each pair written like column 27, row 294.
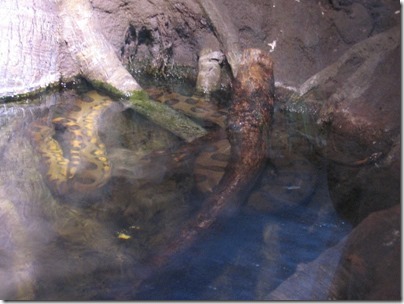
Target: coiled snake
column 81, row 164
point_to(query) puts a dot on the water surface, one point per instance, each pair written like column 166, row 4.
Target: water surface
column 85, row 247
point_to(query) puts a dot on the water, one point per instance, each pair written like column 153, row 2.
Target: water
column 91, row 247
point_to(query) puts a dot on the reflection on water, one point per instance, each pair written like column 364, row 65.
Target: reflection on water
column 82, row 247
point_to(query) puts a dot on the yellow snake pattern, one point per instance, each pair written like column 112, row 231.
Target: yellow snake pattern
column 83, row 166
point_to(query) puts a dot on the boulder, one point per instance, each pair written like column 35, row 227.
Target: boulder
column 359, row 94
column 365, row 265
column 357, row 102
column 370, row 265
column 357, row 17
column 312, row 280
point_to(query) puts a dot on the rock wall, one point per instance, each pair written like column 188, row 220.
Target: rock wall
column 303, row 37
column 161, row 33
column 306, row 36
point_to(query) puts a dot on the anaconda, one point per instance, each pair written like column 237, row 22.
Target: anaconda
column 248, row 127
column 79, row 162
column 212, row 158
column 74, row 158
column 212, row 154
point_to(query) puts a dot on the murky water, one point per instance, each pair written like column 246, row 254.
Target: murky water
column 73, row 246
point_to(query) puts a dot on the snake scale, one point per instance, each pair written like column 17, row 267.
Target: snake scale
column 247, row 129
column 212, row 158
column 73, row 158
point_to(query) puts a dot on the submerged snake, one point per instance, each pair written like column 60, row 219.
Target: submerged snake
column 212, row 155
column 247, row 130
column 74, row 159
column 72, row 155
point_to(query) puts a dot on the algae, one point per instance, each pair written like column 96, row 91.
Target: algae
column 161, row 114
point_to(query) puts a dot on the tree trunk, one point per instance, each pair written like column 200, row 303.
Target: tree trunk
column 48, row 41
column 96, row 58
column 30, row 48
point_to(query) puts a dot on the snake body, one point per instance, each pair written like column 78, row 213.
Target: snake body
column 248, row 127
column 212, row 159
column 80, row 164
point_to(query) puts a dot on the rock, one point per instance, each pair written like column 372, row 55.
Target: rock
column 370, row 265
column 298, row 51
column 154, row 35
column 158, row 34
column 361, row 89
column 356, row 192
column 357, row 18
column 385, row 14
column 301, row 35
column 293, row 32
column 358, row 100
column 311, row 281
column 365, row 265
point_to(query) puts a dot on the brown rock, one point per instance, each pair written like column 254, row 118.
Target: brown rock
column 359, row 101
column 370, row 265
column 358, row 18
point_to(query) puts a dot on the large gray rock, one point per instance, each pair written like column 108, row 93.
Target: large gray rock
column 356, row 17
column 156, row 33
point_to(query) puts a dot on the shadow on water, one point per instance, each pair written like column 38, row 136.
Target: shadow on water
column 78, row 246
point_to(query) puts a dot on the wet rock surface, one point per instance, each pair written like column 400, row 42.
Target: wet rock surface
column 302, row 37
column 358, row 100
column 352, row 270
column 361, row 274
column 158, row 32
